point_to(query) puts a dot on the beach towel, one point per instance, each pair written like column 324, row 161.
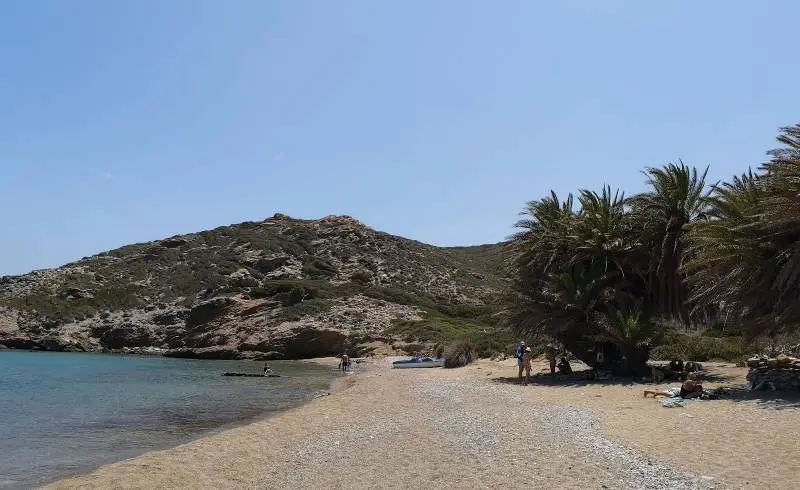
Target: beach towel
column 675, row 401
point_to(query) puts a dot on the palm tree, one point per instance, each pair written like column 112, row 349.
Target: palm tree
column 603, row 231
column 541, row 247
column 779, row 226
column 746, row 256
column 730, row 260
column 561, row 305
column 634, row 332
column 543, row 243
column 571, row 266
column 676, row 199
column 616, row 268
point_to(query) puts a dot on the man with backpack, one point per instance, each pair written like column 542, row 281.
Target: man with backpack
column 520, row 353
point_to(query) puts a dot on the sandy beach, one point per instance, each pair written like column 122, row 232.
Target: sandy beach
column 475, row 427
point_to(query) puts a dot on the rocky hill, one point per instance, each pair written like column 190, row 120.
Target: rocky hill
column 281, row 288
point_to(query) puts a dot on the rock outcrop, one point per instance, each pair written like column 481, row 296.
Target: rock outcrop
column 280, row 288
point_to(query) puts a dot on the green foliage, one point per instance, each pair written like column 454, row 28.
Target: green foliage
column 677, row 198
column 288, row 291
column 699, row 348
column 414, row 349
column 118, row 297
column 61, row 310
column 631, row 329
column 438, row 328
column 361, row 276
column 721, row 330
column 746, row 258
column 193, row 268
column 459, row 354
column 680, row 251
column 318, row 268
column 399, row 296
column 296, row 311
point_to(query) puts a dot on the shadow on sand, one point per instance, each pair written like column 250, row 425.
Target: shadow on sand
column 574, row 380
column 769, row 400
column 581, row 378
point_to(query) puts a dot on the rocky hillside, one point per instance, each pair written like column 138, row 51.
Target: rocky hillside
column 281, row 288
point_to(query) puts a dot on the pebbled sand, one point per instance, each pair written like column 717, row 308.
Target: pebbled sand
column 470, row 427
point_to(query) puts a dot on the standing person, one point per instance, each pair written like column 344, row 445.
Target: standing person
column 526, row 363
column 345, row 362
column 550, row 353
column 520, row 352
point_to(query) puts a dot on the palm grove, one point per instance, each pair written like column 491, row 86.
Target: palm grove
column 600, row 267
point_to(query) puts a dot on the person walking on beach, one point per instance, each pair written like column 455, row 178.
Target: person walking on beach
column 520, row 352
column 527, row 357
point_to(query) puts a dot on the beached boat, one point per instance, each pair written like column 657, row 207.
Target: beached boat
column 418, row 362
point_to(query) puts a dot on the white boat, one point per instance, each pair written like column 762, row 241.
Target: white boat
column 418, row 362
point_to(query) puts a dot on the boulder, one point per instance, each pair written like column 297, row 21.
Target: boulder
column 20, row 343
column 174, row 242
column 125, row 335
column 170, row 317
column 52, row 344
column 64, row 344
column 263, row 356
column 305, row 342
column 269, row 264
column 243, row 279
column 217, row 352
column 207, row 311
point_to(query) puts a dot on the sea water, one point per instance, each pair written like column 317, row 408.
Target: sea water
column 62, row 413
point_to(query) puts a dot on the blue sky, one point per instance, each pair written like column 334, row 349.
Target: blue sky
column 437, row 120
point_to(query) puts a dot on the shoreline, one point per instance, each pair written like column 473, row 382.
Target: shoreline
column 336, row 383
column 484, row 427
column 156, row 352
column 142, row 437
column 336, row 386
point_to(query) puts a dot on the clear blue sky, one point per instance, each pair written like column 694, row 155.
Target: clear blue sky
column 127, row 121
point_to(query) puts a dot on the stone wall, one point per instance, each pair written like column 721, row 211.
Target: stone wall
column 778, row 374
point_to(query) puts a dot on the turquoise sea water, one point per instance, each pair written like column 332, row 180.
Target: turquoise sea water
column 63, row 414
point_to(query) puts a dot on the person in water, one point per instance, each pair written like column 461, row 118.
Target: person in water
column 344, row 364
column 690, row 388
column 519, row 353
column 527, row 357
column 267, row 369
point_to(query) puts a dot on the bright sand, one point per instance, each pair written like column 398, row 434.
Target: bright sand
column 472, row 427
